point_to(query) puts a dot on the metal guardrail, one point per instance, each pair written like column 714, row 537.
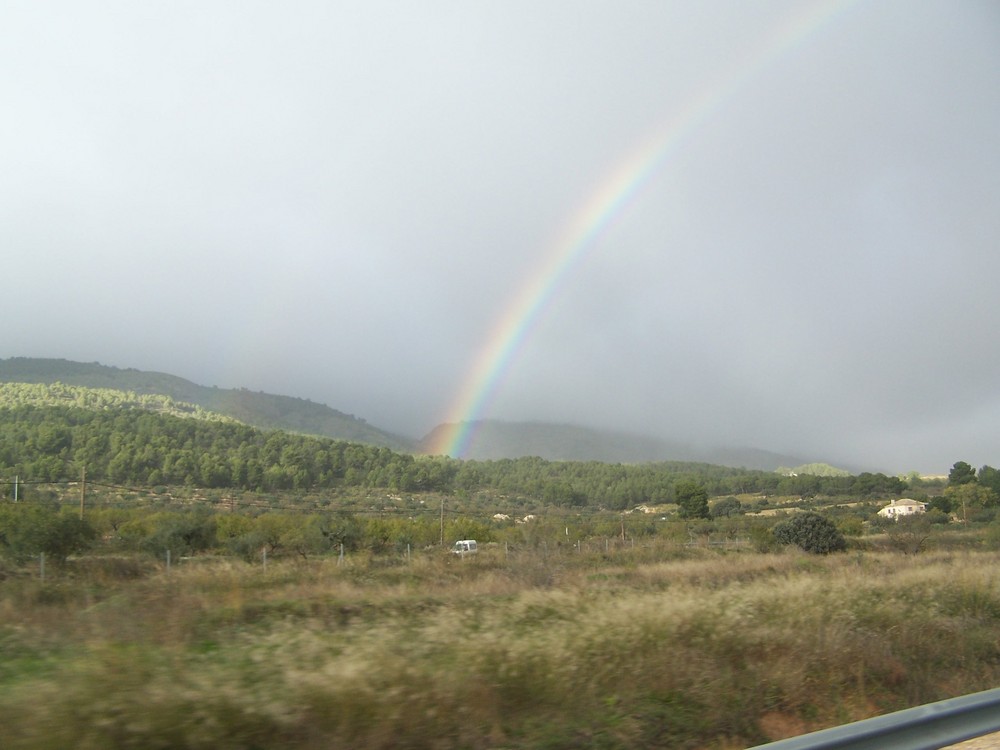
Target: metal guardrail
column 927, row 727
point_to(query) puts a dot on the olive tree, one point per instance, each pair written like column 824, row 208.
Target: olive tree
column 27, row 530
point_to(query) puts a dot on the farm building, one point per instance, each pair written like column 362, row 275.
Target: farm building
column 902, row 507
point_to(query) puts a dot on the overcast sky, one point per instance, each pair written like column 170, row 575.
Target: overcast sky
column 339, row 200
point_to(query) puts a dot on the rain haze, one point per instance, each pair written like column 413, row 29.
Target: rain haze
column 344, row 201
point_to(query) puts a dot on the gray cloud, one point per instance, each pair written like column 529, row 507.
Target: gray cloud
column 339, row 201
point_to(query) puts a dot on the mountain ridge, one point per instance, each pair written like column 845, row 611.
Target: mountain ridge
column 258, row 409
column 492, row 439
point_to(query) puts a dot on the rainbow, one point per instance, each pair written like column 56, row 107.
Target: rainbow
column 580, row 234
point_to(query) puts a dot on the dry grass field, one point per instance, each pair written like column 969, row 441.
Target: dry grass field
column 690, row 648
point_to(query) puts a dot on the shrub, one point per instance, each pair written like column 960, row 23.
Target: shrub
column 812, row 532
column 935, row 516
column 762, row 538
column 982, row 515
column 909, row 534
column 940, row 503
column 180, row 533
column 727, row 506
column 851, row 526
column 27, row 530
column 992, row 538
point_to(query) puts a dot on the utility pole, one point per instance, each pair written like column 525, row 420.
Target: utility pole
column 83, row 490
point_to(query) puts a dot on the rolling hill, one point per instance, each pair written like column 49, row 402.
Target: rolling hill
column 494, row 439
column 264, row 410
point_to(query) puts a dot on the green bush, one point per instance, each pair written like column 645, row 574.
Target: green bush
column 935, row 516
column 992, row 537
column 851, row 526
column 812, row 532
column 727, row 506
column 179, row 533
column 27, row 530
column 762, row 538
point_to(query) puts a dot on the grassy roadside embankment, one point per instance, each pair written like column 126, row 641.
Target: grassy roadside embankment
column 706, row 650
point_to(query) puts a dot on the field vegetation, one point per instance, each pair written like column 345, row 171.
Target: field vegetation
column 661, row 640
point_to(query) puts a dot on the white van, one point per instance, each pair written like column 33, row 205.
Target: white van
column 464, row 547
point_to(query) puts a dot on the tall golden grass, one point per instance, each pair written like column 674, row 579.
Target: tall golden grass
column 706, row 650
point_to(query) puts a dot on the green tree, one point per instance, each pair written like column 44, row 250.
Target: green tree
column 341, row 529
column 727, row 506
column 692, row 499
column 812, row 532
column 232, row 526
column 990, row 477
column 27, row 530
column 303, row 536
column 179, row 533
column 970, row 497
column 961, row 473
column 876, row 485
column 940, row 503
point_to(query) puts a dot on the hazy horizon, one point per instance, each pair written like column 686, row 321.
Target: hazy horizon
column 345, row 203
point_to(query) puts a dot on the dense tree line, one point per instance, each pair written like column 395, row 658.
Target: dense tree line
column 970, row 495
column 42, row 526
column 132, row 446
column 30, row 529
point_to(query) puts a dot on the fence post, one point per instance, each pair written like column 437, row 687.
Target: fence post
column 168, row 561
column 340, row 560
column 41, row 557
column 263, row 554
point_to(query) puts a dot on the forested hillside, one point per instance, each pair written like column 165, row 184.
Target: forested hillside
column 136, row 446
column 262, row 410
column 99, row 399
column 494, row 439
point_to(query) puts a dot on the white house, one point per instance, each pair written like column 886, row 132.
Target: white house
column 902, row 507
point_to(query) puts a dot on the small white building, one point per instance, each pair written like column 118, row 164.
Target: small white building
column 902, row 507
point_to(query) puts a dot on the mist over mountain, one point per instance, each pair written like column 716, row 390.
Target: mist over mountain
column 493, row 439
